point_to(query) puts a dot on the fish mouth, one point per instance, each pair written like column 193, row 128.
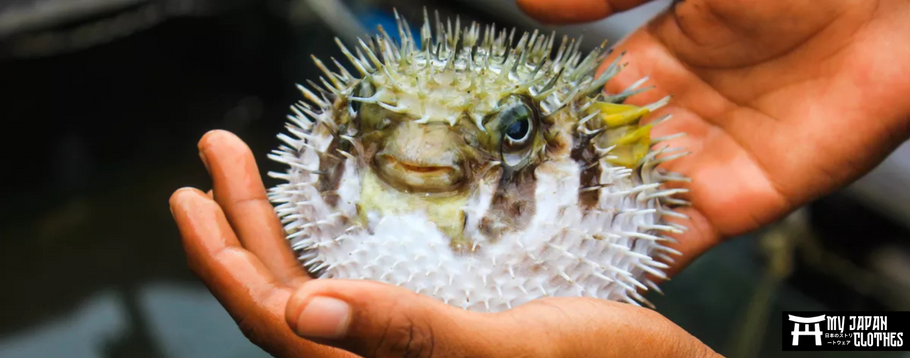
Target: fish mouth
column 413, row 176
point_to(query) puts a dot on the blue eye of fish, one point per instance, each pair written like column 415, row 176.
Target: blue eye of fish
column 518, row 130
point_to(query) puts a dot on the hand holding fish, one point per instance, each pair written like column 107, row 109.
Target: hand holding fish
column 781, row 101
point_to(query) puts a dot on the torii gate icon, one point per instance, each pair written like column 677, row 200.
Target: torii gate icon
column 807, row 329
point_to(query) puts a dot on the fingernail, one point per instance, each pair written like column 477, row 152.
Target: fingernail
column 205, row 162
column 324, row 317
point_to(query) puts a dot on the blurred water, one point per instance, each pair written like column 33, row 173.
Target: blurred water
column 92, row 261
column 181, row 321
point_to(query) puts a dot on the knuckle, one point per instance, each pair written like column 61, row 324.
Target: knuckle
column 405, row 336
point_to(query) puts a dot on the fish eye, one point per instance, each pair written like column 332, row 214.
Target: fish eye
column 518, row 127
column 512, row 131
column 519, row 130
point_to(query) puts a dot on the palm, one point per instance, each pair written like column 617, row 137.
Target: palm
column 781, row 101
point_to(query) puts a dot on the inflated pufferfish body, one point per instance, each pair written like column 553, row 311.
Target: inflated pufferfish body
column 477, row 172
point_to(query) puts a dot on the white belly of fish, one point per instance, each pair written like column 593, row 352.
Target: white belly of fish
column 565, row 250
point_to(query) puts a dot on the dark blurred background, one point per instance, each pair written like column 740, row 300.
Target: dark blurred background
column 105, row 100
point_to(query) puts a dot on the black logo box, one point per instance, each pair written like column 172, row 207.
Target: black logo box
column 893, row 338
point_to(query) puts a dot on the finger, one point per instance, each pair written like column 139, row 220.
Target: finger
column 210, row 194
column 377, row 320
column 240, row 192
column 574, row 11
column 236, row 277
column 373, row 319
column 242, row 284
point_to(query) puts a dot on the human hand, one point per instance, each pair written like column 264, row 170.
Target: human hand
column 235, row 244
column 782, row 101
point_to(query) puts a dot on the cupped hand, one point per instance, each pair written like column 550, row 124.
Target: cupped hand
column 235, row 244
column 782, row 101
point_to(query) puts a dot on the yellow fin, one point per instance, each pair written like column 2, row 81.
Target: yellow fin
column 631, row 147
column 616, row 115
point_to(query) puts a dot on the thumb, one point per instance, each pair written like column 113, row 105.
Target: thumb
column 373, row 319
column 378, row 320
column 575, row 11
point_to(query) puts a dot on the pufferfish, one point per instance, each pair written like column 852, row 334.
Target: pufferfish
column 477, row 170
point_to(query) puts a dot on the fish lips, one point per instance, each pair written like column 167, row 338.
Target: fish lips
column 419, row 177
